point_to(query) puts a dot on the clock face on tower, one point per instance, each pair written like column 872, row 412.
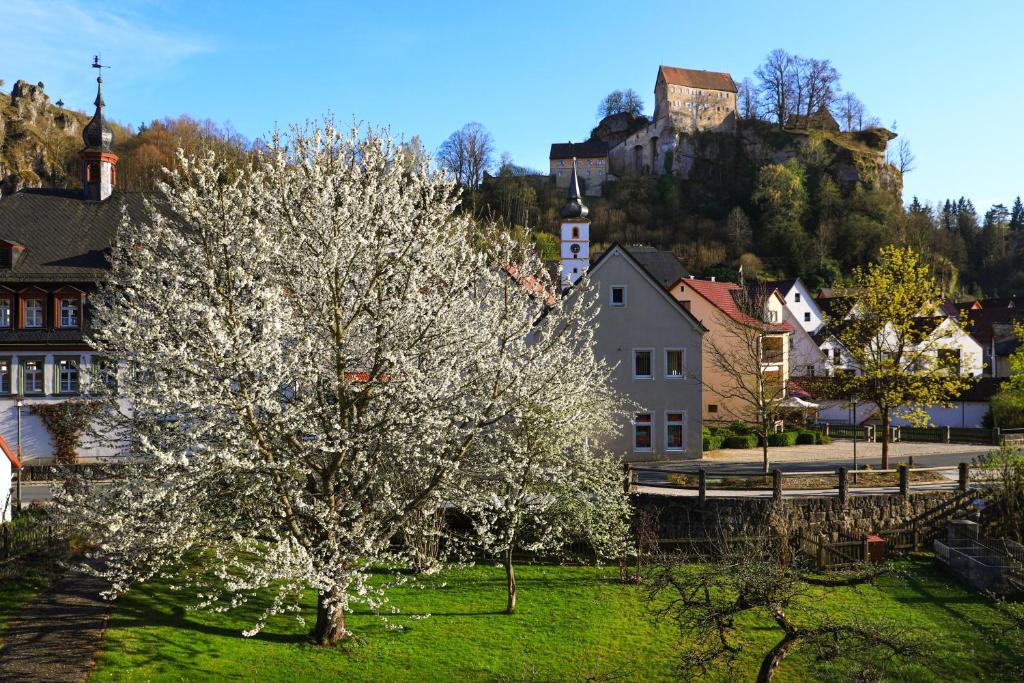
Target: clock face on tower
column 575, row 249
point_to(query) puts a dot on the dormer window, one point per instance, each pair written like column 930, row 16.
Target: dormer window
column 5, row 311
column 68, row 308
column 32, row 311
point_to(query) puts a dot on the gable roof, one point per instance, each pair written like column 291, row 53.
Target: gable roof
column 616, row 247
column 694, row 78
column 721, row 295
column 66, row 238
column 569, row 150
column 662, row 265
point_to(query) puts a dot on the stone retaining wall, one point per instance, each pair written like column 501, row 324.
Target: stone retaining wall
column 685, row 517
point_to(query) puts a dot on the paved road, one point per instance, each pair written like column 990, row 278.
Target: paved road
column 816, row 458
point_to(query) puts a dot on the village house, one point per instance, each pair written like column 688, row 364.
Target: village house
column 54, row 247
column 653, row 343
column 592, row 159
column 719, row 308
column 806, row 358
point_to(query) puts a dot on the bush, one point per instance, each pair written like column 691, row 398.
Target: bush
column 807, row 438
column 713, row 443
column 740, row 441
column 739, row 427
column 782, row 439
column 719, row 431
column 824, row 439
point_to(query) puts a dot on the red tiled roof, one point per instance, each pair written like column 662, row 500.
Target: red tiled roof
column 532, row 285
column 693, row 78
column 720, row 295
column 10, row 454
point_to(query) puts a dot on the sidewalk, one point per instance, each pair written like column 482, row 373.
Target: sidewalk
column 56, row 635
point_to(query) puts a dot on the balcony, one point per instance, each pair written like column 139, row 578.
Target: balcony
column 773, row 351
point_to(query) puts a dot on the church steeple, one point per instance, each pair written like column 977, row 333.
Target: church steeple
column 575, row 246
column 99, row 164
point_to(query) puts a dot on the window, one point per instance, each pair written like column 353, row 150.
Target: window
column 771, row 316
column 69, row 308
column 575, row 232
column 675, row 363
column 600, row 162
column 590, row 162
column 807, row 315
column 643, row 432
column 5, row 375
column 712, row 407
column 5, row 311
column 836, row 356
column 618, row 297
column 950, row 359
column 796, row 297
column 643, row 364
column 561, row 163
column 33, row 312
column 105, row 373
column 32, row 375
column 675, row 431
column 67, row 375
column 561, row 174
column 588, row 172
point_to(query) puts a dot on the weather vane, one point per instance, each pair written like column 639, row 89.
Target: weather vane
column 96, row 63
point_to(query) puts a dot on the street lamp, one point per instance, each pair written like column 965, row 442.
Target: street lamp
column 853, row 403
column 19, row 401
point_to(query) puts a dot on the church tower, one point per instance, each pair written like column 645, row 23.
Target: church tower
column 575, row 245
column 99, row 163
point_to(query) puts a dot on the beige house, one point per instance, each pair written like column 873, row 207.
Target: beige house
column 717, row 305
column 656, row 347
column 695, row 99
column 591, row 163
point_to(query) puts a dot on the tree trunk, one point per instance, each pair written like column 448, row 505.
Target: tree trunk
column 885, row 438
column 510, row 574
column 775, row 656
column 330, row 621
column 765, row 451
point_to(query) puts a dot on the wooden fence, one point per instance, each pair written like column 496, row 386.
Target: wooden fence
column 961, row 435
column 29, row 534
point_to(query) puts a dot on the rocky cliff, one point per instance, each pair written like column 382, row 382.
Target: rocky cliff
column 38, row 140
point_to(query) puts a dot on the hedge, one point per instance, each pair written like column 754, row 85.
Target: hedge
column 741, row 441
column 782, row 439
column 713, row 443
column 807, row 438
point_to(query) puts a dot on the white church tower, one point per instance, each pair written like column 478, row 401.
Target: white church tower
column 575, row 246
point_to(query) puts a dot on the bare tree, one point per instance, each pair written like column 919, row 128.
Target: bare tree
column 819, row 84
column 747, row 100
column 626, row 101
column 708, row 592
column 467, row 154
column 850, row 110
column 748, row 359
column 699, row 103
column 901, row 157
column 777, row 82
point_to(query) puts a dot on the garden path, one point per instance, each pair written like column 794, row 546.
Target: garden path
column 56, row 636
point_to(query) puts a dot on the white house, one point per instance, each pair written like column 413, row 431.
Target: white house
column 803, row 309
column 8, row 461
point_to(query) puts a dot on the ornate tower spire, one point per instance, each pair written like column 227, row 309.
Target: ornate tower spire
column 98, row 162
column 575, row 246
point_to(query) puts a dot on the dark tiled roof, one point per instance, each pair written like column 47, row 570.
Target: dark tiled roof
column 580, row 150
column 693, row 78
column 662, row 265
column 782, row 285
column 66, row 238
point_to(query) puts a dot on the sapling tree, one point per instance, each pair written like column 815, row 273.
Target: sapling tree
column 540, row 479
column 309, row 347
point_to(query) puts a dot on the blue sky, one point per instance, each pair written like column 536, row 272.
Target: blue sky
column 948, row 73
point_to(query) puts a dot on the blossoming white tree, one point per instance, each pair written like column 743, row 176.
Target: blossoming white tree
column 310, row 346
column 540, row 479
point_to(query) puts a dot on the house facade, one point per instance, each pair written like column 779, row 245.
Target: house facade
column 54, row 247
column 717, row 306
column 591, row 159
column 8, row 462
column 656, row 348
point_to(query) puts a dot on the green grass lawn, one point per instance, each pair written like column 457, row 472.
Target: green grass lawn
column 574, row 623
column 19, row 582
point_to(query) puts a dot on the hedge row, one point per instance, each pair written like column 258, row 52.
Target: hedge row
column 724, row 437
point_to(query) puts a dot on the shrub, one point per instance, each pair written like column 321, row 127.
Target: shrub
column 824, row 439
column 739, row 427
column 720, row 431
column 740, row 441
column 807, row 438
column 713, row 443
column 782, row 439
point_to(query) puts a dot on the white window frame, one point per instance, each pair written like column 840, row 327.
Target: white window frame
column 796, row 297
column 650, row 425
column 69, row 317
column 681, row 424
column 611, row 296
column 649, row 351
column 682, row 360
column 40, row 311
column 5, row 312
column 74, row 367
column 40, row 375
column 7, row 360
column 807, row 316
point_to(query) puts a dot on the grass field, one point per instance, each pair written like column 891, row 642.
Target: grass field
column 574, row 624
